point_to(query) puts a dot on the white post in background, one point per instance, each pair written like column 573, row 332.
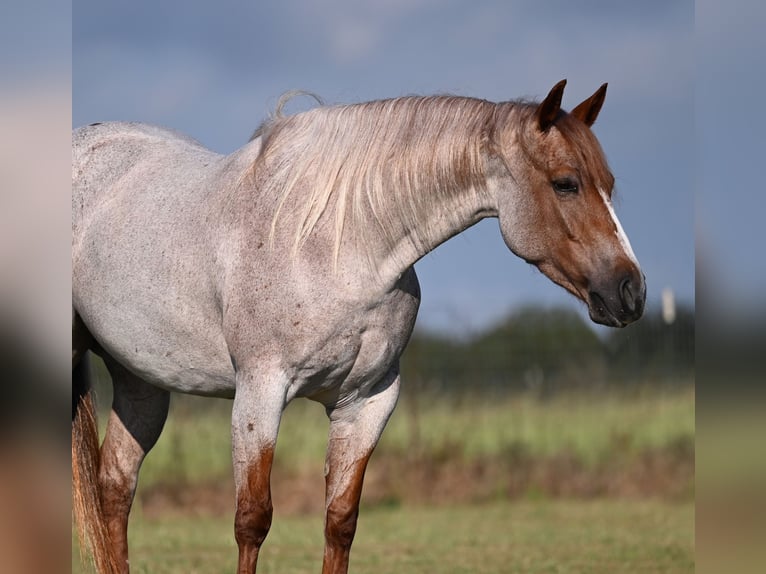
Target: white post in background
column 668, row 306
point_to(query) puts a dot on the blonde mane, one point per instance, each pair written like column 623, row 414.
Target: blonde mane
column 382, row 164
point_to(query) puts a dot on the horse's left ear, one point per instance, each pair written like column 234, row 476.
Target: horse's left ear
column 588, row 110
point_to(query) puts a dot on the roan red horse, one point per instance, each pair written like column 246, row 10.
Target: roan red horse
column 285, row 270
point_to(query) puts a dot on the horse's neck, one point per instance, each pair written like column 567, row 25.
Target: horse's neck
column 388, row 261
column 370, row 217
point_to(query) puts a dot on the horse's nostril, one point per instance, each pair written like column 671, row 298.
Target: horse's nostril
column 627, row 295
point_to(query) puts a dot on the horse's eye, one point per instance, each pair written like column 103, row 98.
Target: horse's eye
column 565, row 185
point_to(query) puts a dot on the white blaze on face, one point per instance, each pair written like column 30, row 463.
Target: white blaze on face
column 619, row 231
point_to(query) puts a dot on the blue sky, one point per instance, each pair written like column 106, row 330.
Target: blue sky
column 215, row 70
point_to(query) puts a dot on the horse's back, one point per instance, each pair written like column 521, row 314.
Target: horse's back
column 105, row 153
column 143, row 250
column 126, row 138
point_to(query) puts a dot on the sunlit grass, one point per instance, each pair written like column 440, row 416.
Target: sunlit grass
column 600, row 537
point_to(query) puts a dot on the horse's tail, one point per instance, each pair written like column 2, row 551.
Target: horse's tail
column 86, row 497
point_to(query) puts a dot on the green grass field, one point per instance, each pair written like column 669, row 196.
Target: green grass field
column 608, row 487
column 604, row 536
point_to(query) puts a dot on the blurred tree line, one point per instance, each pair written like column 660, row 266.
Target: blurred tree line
column 550, row 349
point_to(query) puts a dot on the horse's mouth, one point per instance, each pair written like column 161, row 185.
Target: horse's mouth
column 600, row 313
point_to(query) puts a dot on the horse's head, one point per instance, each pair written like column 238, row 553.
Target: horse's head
column 555, row 211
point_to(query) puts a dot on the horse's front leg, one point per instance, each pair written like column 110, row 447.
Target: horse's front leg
column 258, row 405
column 354, row 432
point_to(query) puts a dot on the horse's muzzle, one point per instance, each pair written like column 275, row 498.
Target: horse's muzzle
column 620, row 303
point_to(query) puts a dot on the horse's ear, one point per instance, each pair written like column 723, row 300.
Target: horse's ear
column 549, row 109
column 588, row 110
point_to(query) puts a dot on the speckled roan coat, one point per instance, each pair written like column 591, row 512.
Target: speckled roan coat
column 184, row 278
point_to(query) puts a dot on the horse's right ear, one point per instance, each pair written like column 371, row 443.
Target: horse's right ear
column 549, row 109
column 588, row 110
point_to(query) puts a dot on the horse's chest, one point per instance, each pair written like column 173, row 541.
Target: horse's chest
column 361, row 349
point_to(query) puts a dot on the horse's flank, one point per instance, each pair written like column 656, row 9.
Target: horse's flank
column 381, row 163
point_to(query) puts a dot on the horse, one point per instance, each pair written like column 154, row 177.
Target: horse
column 285, row 270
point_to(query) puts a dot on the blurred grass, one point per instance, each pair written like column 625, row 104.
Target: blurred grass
column 604, row 536
column 459, row 534
column 585, row 424
column 590, row 426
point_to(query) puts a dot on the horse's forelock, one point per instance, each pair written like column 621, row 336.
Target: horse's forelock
column 584, row 141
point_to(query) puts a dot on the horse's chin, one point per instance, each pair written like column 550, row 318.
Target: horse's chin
column 604, row 317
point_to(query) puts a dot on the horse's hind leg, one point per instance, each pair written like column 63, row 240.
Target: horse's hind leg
column 138, row 414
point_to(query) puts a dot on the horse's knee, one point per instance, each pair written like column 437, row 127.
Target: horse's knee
column 340, row 525
column 252, row 521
